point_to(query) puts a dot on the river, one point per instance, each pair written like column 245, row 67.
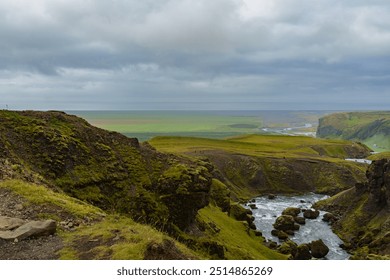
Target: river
column 269, row 209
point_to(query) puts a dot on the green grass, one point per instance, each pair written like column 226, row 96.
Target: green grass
column 41, row 195
column 378, row 143
column 379, row 156
column 171, row 122
column 240, row 243
column 258, row 145
column 132, row 240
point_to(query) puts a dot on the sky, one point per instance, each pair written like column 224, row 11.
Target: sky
column 195, row 54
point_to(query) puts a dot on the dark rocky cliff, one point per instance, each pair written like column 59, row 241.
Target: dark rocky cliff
column 364, row 213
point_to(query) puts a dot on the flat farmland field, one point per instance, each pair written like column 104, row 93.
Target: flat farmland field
column 208, row 124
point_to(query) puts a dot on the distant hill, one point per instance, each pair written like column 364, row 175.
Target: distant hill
column 371, row 128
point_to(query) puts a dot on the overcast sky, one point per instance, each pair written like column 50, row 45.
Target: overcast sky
column 195, row 54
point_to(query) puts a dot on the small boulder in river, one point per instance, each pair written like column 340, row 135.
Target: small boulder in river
column 300, row 220
column 252, row 206
column 302, row 252
column 292, row 211
column 284, row 222
column 271, row 196
column 329, row 218
column 288, row 248
column 311, row 214
column 319, row 249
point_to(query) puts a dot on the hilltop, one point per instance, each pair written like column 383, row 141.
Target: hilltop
column 371, row 128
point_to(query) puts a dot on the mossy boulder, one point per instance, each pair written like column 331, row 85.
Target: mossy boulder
column 288, row 248
column 300, row 220
column 302, row 252
column 311, row 214
column 284, row 222
column 292, row 211
column 318, row 249
column 329, row 218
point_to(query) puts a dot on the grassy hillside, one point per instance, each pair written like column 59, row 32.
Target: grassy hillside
column 100, row 235
column 371, row 128
column 257, row 164
column 276, row 146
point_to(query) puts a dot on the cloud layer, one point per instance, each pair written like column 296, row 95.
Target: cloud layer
column 182, row 54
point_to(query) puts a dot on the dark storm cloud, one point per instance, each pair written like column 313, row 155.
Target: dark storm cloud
column 168, row 54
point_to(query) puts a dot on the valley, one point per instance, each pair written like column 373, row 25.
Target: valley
column 176, row 197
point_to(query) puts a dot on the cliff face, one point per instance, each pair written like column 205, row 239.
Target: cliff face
column 363, row 212
column 104, row 168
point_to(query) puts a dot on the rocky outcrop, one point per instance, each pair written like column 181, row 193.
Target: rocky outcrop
column 106, row 169
column 361, row 214
column 17, row 229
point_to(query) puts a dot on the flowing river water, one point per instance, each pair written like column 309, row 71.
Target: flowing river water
column 269, row 209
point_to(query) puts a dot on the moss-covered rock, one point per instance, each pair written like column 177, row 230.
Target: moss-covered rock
column 318, row 249
column 284, row 222
column 292, row 211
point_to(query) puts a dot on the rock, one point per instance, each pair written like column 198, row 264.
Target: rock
column 300, row 220
column 30, row 229
column 239, row 213
column 258, row 233
column 310, row 214
column 290, row 232
column 282, row 235
column 271, row 196
column 252, row 206
column 292, row 211
column 284, row 222
column 7, row 223
column 296, row 227
column 329, row 218
column 319, row 249
column 288, row 248
column 302, row 201
column 273, row 245
column 302, row 252
column 275, row 232
column 19, row 207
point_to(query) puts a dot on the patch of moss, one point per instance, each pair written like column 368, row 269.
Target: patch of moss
column 117, row 238
column 41, row 195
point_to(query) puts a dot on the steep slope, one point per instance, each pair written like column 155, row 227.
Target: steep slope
column 371, row 128
column 52, row 153
column 260, row 164
column 362, row 212
column 104, row 168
